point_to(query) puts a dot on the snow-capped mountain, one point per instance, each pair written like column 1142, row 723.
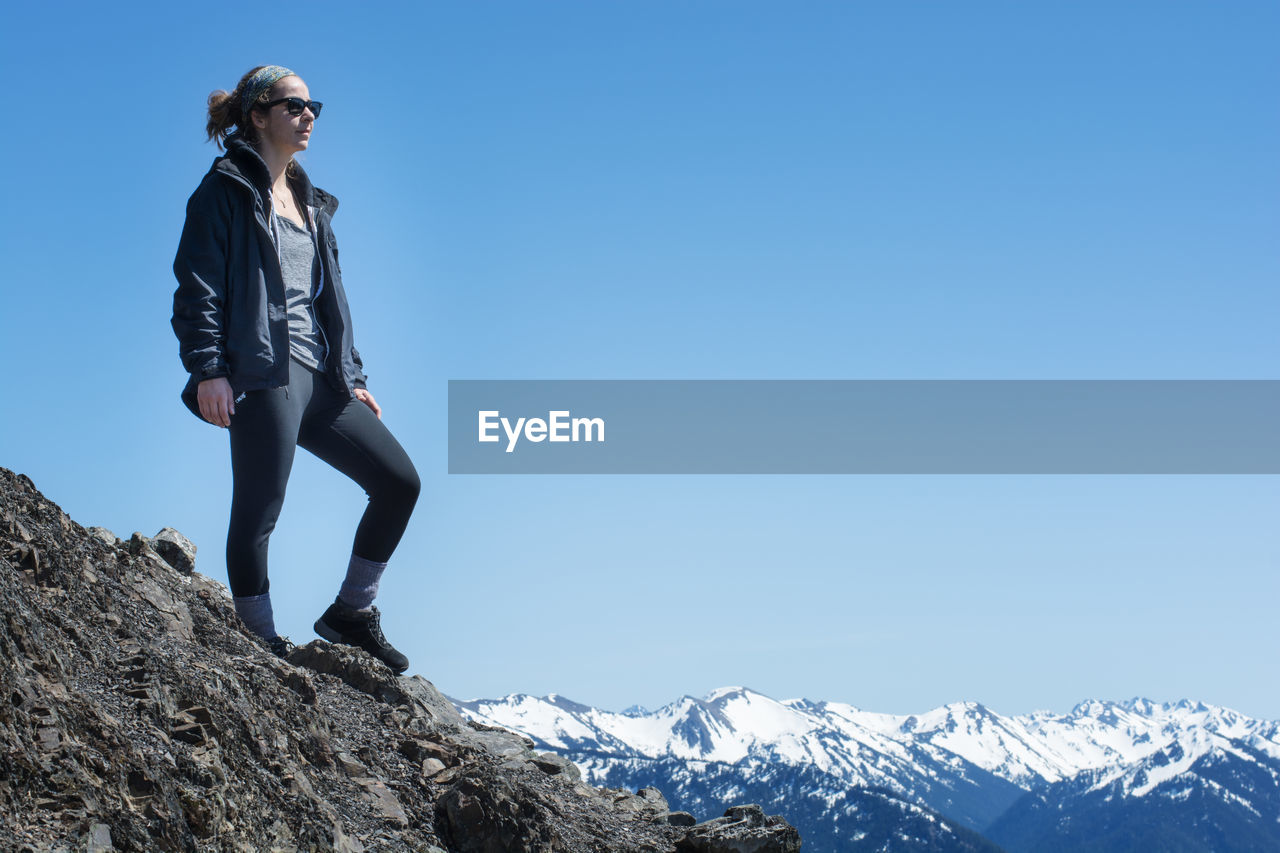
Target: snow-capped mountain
column 963, row 761
column 1223, row 798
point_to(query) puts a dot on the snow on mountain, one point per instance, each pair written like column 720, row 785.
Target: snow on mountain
column 1217, row 795
column 735, row 723
column 987, row 772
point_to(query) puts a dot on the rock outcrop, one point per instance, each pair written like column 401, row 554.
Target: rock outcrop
column 137, row 714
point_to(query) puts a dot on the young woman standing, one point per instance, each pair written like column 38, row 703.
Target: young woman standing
column 264, row 330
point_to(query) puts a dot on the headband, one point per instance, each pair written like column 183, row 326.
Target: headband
column 262, row 80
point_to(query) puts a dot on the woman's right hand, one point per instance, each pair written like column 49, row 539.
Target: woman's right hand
column 217, row 404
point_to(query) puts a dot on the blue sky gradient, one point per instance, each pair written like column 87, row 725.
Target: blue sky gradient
column 706, row 190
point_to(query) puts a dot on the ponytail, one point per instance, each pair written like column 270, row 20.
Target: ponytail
column 227, row 114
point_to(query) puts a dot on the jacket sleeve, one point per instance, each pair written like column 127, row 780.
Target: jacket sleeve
column 199, row 303
column 361, row 381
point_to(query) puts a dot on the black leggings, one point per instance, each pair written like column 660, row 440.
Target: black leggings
column 266, row 428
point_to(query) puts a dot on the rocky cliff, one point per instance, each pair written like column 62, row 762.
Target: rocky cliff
column 137, row 714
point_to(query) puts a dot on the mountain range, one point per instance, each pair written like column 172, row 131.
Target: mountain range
column 1106, row 776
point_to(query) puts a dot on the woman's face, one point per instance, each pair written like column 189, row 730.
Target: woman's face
column 276, row 128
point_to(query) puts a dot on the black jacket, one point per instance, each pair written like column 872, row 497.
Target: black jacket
column 229, row 310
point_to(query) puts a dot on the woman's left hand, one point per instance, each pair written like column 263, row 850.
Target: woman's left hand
column 365, row 397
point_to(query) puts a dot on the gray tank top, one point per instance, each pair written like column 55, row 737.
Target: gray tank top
column 301, row 271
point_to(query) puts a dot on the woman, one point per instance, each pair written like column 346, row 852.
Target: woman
column 264, row 330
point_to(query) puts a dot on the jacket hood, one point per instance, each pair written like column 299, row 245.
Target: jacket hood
column 243, row 162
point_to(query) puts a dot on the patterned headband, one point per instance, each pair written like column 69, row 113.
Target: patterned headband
column 262, row 80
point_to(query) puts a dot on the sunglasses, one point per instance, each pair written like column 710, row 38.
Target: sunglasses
column 295, row 106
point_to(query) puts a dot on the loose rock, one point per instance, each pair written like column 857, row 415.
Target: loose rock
column 177, row 550
column 743, row 829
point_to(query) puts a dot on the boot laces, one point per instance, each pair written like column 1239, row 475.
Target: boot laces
column 375, row 628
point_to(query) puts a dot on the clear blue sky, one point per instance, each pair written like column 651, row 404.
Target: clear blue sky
column 695, row 190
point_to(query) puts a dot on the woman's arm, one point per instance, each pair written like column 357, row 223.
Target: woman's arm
column 199, row 301
column 199, row 306
column 361, row 381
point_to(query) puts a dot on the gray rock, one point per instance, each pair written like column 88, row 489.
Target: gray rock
column 647, row 802
column 557, row 765
column 500, row 744
column 99, row 840
column 487, row 814
column 349, row 765
column 419, row 750
column 176, row 614
column 105, row 536
column 355, row 666
column 431, row 701
column 176, row 549
column 384, row 801
column 681, row 819
column 343, row 843
column 140, row 547
column 481, row 727
column 653, row 797
column 743, row 829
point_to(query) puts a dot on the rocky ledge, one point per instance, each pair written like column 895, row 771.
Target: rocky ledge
column 137, row 714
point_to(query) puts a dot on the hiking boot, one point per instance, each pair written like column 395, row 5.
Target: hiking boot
column 344, row 624
column 280, row 646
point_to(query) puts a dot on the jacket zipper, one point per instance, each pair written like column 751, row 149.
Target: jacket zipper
column 315, row 237
column 275, row 242
column 315, row 241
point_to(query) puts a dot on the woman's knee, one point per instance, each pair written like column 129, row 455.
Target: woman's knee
column 257, row 507
column 410, row 484
column 401, row 484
